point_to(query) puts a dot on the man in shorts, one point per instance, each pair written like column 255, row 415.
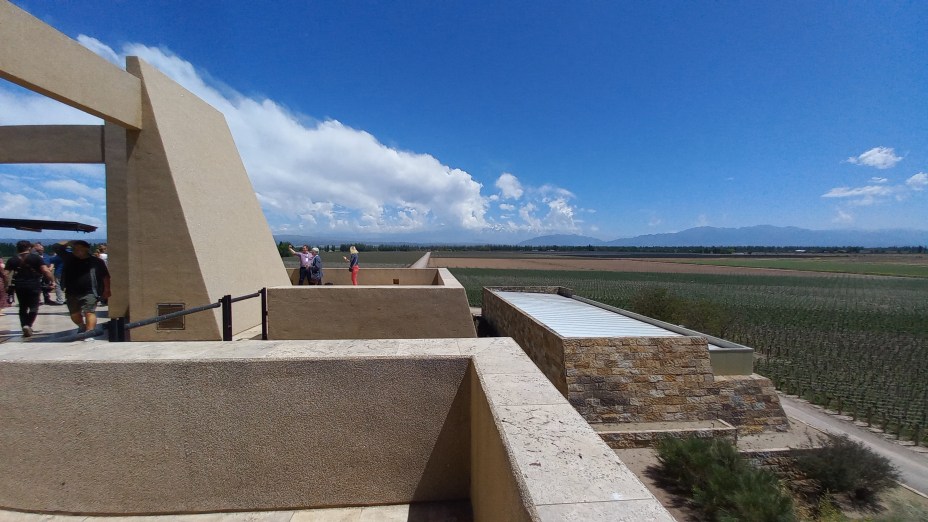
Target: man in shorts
column 86, row 280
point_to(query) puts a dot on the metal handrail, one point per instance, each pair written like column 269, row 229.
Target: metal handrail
column 118, row 327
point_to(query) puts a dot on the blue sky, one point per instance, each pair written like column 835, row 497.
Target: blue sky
column 503, row 121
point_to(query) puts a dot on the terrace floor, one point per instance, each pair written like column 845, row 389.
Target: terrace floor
column 445, row 511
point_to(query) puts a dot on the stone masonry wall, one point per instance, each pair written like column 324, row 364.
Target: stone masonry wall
column 640, row 379
column 751, row 403
column 543, row 346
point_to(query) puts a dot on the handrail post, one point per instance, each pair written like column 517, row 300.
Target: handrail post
column 111, row 330
column 226, row 302
column 117, row 330
column 264, row 314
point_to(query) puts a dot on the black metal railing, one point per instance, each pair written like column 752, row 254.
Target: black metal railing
column 117, row 328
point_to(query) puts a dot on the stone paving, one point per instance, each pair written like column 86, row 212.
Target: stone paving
column 53, row 324
column 445, row 511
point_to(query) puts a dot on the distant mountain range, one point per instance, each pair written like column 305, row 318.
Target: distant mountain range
column 761, row 235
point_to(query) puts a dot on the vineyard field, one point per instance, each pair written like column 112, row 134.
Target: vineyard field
column 853, row 343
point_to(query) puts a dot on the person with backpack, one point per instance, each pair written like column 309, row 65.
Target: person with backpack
column 26, row 271
column 315, row 269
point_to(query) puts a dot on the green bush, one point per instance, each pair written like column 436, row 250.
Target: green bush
column 722, row 484
column 846, row 466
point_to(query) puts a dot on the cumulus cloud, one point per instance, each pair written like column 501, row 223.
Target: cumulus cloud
column 880, row 192
column 877, row 157
column 843, row 218
column 509, row 186
column 918, row 181
column 309, row 176
column 76, row 188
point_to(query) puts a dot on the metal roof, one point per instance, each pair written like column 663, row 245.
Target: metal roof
column 571, row 318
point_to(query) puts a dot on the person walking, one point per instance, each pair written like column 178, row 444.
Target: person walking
column 315, row 269
column 39, row 250
column 353, row 264
column 26, row 270
column 306, row 259
column 4, row 283
column 86, row 281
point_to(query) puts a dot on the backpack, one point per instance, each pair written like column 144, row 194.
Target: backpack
column 26, row 273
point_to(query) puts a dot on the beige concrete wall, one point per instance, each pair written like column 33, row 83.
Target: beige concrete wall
column 368, row 312
column 117, row 218
column 496, row 492
column 38, row 57
column 197, row 231
column 51, row 144
column 340, row 276
column 249, row 425
column 118, row 435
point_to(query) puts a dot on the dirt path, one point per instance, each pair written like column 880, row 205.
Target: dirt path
column 912, row 466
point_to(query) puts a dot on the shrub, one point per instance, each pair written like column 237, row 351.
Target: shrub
column 722, row 484
column 847, row 466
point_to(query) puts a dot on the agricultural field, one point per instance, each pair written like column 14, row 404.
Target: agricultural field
column 900, row 266
column 855, row 343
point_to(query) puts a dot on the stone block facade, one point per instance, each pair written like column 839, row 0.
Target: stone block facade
column 638, row 379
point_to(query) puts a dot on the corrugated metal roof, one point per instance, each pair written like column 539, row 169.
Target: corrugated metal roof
column 570, row 318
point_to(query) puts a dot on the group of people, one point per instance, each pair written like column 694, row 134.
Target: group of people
column 33, row 274
column 311, row 264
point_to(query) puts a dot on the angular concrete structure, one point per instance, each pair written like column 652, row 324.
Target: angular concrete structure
column 179, row 200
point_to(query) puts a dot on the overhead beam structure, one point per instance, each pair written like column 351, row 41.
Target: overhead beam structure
column 38, row 57
column 51, row 144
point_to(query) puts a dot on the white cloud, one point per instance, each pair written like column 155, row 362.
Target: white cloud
column 877, row 157
column 309, row 176
column 21, row 107
column 847, row 192
column 655, row 221
column 101, row 49
column 843, row 218
column 702, row 221
column 509, row 186
column 77, row 188
column 918, row 181
column 876, row 179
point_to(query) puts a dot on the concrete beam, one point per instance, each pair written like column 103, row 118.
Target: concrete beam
column 51, row 144
column 39, row 58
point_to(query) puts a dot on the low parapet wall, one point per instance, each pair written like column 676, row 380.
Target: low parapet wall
column 373, row 311
column 340, row 276
column 250, row 425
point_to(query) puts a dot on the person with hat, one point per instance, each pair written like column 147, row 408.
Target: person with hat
column 315, row 269
column 86, row 281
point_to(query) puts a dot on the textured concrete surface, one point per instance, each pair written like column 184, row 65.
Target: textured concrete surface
column 38, row 57
column 437, row 511
column 368, row 312
column 51, row 144
column 190, row 201
column 339, row 276
column 139, row 429
column 156, row 427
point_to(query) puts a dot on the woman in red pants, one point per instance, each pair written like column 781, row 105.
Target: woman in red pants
column 353, row 265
